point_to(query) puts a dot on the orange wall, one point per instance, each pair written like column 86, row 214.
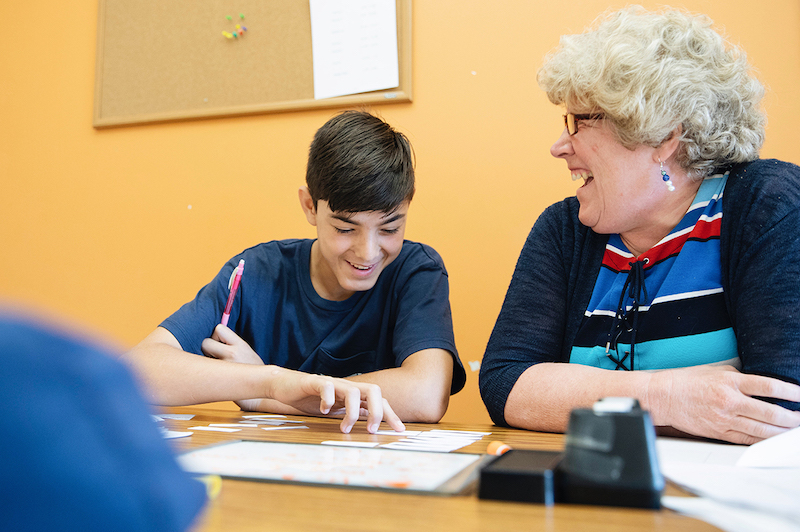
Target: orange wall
column 97, row 225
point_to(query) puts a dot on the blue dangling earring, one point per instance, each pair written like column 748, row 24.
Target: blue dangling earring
column 665, row 177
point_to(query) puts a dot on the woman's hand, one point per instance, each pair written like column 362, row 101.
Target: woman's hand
column 720, row 402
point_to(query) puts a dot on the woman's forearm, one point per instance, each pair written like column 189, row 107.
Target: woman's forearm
column 545, row 394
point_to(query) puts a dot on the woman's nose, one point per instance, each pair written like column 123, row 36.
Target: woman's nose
column 562, row 146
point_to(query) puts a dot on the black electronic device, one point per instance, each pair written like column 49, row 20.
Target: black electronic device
column 610, row 457
column 522, row 476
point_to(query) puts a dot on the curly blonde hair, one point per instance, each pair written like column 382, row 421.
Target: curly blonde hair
column 651, row 72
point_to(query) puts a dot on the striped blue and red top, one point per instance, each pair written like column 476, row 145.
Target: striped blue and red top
column 682, row 320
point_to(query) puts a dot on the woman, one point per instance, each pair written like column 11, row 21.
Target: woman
column 673, row 276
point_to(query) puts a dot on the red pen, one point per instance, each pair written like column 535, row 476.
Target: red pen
column 234, row 286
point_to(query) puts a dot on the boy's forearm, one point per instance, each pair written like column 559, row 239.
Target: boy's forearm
column 396, row 386
column 419, row 390
column 270, row 405
column 172, row 377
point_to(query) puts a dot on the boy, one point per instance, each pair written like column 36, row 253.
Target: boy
column 357, row 302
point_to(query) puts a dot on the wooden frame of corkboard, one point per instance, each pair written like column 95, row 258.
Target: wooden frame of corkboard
column 164, row 61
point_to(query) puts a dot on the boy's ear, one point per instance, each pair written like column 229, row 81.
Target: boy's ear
column 307, row 203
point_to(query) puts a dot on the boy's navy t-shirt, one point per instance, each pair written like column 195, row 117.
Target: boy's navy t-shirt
column 280, row 315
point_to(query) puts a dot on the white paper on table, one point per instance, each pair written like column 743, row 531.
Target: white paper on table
column 322, row 464
column 782, row 450
column 460, row 433
column 342, row 443
column 417, row 447
column 454, row 443
column 214, row 429
column 354, row 46
column 776, row 491
column 181, row 417
column 709, row 470
column 171, row 434
column 670, row 450
column 725, row 517
column 405, row 433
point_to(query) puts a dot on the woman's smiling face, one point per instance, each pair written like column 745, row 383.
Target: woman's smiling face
column 620, row 187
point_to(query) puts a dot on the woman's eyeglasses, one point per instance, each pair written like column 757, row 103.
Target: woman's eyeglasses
column 571, row 120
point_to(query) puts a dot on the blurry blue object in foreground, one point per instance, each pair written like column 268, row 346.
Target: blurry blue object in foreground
column 78, row 447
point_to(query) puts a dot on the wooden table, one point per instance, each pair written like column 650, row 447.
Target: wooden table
column 246, row 505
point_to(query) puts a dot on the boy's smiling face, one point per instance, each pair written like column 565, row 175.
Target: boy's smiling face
column 352, row 249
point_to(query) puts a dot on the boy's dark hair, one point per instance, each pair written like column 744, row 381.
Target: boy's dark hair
column 359, row 163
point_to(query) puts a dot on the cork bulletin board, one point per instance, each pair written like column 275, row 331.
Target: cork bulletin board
column 161, row 61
